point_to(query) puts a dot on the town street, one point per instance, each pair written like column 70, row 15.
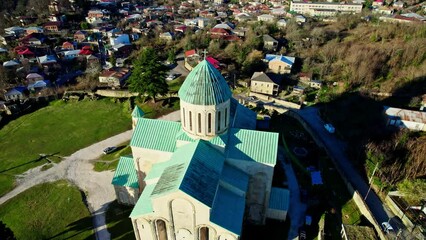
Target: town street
column 337, row 148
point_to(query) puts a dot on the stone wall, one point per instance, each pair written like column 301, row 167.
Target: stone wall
column 116, row 93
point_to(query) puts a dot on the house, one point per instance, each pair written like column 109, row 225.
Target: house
column 317, row 84
column 260, row 82
column 399, row 4
column 168, row 36
column 30, row 30
column 25, row 53
column 80, row 36
column 299, row 90
column 278, row 11
column 119, row 39
column 324, row 8
column 121, row 50
column 266, row 18
column 15, row 31
column 279, row 64
column 300, row 19
column 305, row 77
column 46, row 60
column 10, row 64
column 403, row 118
column 242, row 17
column 219, row 32
column 202, row 177
column 378, row 3
column 282, row 23
column 385, row 10
column 270, row 43
column 33, row 77
column 17, row 93
column 279, row 204
column 86, row 50
column 71, row 54
column 114, row 77
column 53, row 26
column 68, row 45
column 38, row 85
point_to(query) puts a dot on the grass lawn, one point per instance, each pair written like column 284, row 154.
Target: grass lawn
column 110, row 161
column 48, row 211
column 60, row 128
column 118, row 221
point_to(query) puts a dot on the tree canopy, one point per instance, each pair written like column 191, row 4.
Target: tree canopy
column 414, row 191
column 149, row 75
column 5, row 232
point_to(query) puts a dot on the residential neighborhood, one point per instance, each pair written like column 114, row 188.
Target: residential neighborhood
column 220, row 119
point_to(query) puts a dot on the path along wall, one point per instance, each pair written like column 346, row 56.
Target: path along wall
column 359, row 201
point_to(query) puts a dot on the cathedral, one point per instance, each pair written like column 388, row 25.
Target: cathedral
column 203, row 177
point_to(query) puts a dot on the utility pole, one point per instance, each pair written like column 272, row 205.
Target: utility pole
column 371, row 180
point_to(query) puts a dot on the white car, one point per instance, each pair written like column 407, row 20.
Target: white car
column 171, row 77
column 109, row 150
column 387, row 228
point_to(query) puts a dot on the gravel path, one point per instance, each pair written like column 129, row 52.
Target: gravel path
column 78, row 169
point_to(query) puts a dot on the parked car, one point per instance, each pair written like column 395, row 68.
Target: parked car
column 109, row 150
column 172, row 76
column 387, row 228
column 329, row 128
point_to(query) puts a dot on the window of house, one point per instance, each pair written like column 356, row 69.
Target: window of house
column 184, row 117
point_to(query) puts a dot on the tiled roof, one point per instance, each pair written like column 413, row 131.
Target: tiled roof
column 228, row 210
column 125, row 175
column 279, row 199
column 204, row 86
column 250, row 145
column 155, row 134
column 261, row 77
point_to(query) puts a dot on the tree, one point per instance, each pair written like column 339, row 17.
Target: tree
column 5, row 232
column 84, row 25
column 149, row 75
column 112, row 60
column 171, row 56
column 414, row 190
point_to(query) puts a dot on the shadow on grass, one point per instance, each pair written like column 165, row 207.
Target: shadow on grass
column 75, row 229
column 118, row 221
column 40, row 158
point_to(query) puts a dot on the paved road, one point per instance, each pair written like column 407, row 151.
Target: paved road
column 337, row 149
column 179, row 67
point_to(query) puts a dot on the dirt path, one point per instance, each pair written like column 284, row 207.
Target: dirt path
column 78, row 169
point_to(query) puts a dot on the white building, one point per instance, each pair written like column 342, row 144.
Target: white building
column 202, row 177
column 324, row 8
column 403, row 118
column 266, row 18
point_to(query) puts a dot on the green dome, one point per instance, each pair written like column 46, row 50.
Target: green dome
column 204, row 86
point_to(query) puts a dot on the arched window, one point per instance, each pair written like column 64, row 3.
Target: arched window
column 160, row 229
column 190, row 120
column 226, row 116
column 218, row 121
column 199, row 122
column 184, row 117
column 209, row 122
column 203, row 233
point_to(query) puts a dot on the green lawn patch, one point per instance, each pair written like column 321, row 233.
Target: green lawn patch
column 174, row 85
column 118, row 221
column 48, row 211
column 61, row 128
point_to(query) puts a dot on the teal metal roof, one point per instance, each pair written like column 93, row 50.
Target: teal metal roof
column 125, row 175
column 219, row 140
column 235, row 177
column 228, row 210
column 204, row 85
column 252, row 145
column 279, row 199
column 242, row 117
column 155, row 134
column 158, row 169
column 196, row 171
column 137, row 112
column 144, row 204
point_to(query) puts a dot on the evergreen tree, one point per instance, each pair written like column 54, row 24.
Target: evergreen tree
column 149, row 75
